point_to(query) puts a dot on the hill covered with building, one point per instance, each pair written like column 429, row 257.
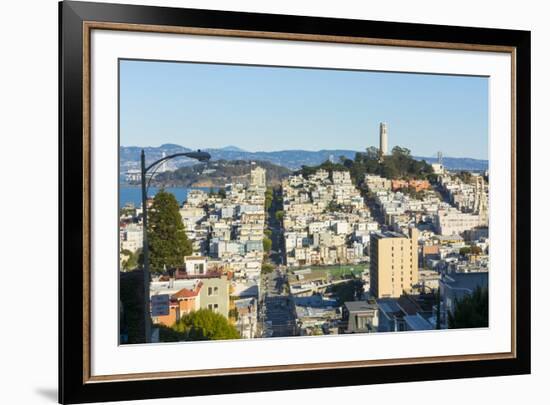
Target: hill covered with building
column 397, row 165
column 291, row 159
column 219, row 173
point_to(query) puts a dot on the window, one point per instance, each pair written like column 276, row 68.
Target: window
column 209, row 291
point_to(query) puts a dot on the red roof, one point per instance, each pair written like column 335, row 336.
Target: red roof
column 186, row 293
column 182, row 275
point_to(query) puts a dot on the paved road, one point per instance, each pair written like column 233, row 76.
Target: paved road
column 276, row 254
column 278, row 308
column 375, row 210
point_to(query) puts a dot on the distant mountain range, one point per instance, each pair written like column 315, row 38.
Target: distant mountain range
column 291, row 159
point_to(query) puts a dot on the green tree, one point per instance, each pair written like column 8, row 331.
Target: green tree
column 373, row 153
column 307, row 171
column 267, row 245
column 370, row 161
column 205, row 325
column 167, row 334
column 389, row 169
column 168, row 243
column 268, row 198
column 400, row 164
column 472, row 311
column 465, row 176
column 476, row 250
column 134, row 259
column 348, row 291
column 267, row 268
column 400, row 151
column 280, row 215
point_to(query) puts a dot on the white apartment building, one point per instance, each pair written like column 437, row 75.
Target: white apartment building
column 196, row 198
column 258, row 177
column 376, row 183
column 132, row 238
column 454, row 222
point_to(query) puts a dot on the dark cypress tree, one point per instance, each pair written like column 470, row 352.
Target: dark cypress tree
column 472, row 311
column 168, row 243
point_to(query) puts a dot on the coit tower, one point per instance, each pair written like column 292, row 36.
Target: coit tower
column 383, row 139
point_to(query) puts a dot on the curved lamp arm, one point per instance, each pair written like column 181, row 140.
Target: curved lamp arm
column 200, row 156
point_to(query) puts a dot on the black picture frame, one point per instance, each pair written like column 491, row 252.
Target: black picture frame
column 73, row 387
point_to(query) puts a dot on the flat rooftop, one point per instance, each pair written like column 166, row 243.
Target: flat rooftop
column 358, row 306
column 163, row 287
column 388, row 305
column 468, row 281
column 388, row 234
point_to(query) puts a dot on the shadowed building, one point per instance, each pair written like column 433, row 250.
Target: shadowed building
column 360, row 317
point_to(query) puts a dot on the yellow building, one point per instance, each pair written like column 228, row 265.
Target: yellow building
column 393, row 263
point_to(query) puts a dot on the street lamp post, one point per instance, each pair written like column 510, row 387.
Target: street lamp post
column 201, row 157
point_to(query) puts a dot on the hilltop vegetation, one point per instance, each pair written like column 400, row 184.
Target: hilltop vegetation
column 218, row 173
column 399, row 165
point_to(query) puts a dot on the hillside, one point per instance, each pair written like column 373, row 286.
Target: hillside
column 218, row 173
column 291, row 159
column 399, row 165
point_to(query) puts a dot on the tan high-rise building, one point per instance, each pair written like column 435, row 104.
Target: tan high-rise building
column 393, row 263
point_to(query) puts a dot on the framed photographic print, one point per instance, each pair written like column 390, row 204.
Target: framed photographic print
column 255, row 202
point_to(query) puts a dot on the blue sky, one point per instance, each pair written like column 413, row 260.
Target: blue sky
column 270, row 108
